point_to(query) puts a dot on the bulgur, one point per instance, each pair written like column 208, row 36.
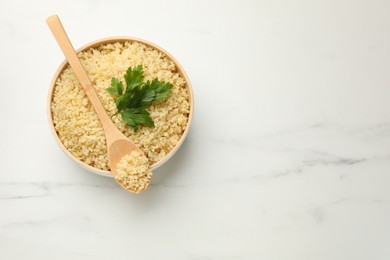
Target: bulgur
column 77, row 124
column 133, row 170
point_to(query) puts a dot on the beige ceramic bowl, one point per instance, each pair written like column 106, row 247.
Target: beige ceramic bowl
column 97, row 43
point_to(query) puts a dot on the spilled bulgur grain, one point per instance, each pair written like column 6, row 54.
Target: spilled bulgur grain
column 133, row 171
column 77, row 124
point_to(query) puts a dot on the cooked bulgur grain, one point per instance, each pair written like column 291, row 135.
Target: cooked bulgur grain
column 133, row 170
column 77, row 124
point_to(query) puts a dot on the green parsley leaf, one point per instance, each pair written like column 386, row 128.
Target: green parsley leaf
column 120, row 103
column 116, row 87
column 136, row 116
column 112, row 91
column 134, row 78
column 163, row 89
column 138, row 95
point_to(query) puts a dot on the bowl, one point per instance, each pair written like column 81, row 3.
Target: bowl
column 97, row 43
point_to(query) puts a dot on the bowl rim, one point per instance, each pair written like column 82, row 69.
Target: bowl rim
column 97, row 43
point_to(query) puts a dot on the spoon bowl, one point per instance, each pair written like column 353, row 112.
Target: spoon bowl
column 116, row 151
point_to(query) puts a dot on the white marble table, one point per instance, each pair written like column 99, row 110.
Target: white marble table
column 288, row 156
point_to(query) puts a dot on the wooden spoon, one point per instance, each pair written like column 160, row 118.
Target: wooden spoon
column 118, row 145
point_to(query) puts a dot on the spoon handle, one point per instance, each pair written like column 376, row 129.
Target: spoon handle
column 66, row 46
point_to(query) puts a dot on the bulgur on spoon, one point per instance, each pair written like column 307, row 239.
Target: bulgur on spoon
column 122, row 153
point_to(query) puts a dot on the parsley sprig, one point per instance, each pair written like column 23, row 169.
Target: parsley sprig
column 133, row 100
